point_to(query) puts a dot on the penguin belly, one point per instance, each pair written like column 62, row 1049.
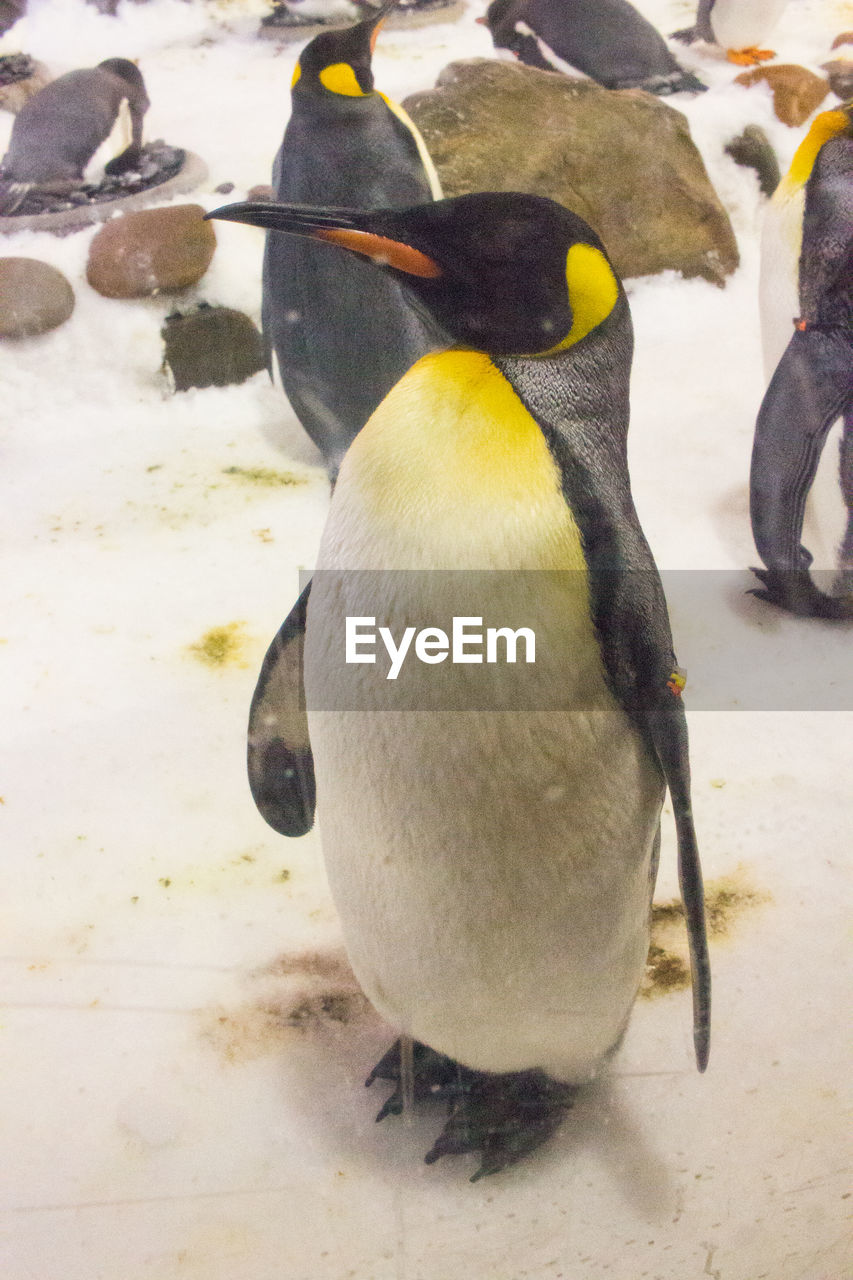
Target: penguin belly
column 741, row 24
column 491, row 868
column 778, row 287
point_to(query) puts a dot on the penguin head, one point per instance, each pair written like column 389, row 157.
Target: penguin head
column 339, row 61
column 125, row 70
column 502, row 272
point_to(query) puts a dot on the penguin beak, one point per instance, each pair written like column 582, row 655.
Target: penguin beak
column 375, row 18
column 337, row 226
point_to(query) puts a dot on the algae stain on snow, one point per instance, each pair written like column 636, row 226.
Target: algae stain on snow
column 223, row 646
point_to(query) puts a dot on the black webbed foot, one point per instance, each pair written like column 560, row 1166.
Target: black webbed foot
column 435, row 1076
column 502, row 1117
column 794, row 590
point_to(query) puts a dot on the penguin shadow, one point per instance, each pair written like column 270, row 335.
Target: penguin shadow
column 327, row 1044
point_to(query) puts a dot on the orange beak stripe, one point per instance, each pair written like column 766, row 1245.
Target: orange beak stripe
column 381, row 249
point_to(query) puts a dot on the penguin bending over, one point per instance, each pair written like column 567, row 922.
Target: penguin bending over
column 60, row 131
column 737, row 26
column 607, row 40
column 342, row 335
column 807, row 280
column 493, row 868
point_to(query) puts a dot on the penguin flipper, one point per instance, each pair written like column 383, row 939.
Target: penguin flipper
column 666, row 725
column 632, row 621
column 280, row 763
column 809, row 390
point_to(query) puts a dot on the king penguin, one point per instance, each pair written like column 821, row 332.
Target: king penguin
column 493, row 864
column 737, row 26
column 342, row 335
column 607, row 40
column 86, row 116
column 807, row 283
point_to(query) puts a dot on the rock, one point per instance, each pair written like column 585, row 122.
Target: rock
column 224, row 188
column 261, row 192
column 211, row 347
column 155, row 250
column 622, row 160
column 839, row 73
column 34, row 298
column 797, row 92
column 752, row 149
column 20, row 77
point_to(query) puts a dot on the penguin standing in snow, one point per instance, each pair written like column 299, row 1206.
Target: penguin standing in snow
column 76, row 122
column 807, row 280
column 607, row 40
column 342, row 335
column 737, row 26
column 493, row 868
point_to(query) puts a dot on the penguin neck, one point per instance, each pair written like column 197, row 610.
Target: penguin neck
column 316, row 102
column 580, row 396
column 451, row 472
column 827, row 125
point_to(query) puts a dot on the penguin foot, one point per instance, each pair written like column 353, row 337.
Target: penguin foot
column 503, row 1117
column 750, row 57
column 794, row 590
column 435, row 1076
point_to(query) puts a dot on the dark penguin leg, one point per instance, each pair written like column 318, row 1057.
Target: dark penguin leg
column 807, row 393
column 503, row 1117
column 846, row 476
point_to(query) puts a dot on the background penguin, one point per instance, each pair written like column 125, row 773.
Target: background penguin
column 342, row 335
column 737, row 26
column 493, row 869
column 73, row 123
column 607, row 40
column 807, row 278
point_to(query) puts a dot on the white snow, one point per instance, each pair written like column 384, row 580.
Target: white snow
column 160, row 1119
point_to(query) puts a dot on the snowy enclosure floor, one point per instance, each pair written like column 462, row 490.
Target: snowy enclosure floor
column 183, row 1051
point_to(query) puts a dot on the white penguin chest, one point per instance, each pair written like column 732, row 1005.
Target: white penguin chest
column 741, row 24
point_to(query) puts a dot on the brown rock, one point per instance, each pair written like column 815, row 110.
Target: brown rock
column 34, row 298
column 211, row 347
column 261, row 192
column 753, row 150
column 839, row 72
column 154, row 250
column 797, row 92
column 623, row 160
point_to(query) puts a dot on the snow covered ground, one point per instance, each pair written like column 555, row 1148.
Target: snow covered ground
column 163, row 1114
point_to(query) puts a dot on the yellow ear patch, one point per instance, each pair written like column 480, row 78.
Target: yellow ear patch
column 340, row 78
column 297, row 72
column 825, row 126
column 593, row 290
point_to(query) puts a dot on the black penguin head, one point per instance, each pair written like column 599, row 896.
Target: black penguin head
column 125, row 70
column 502, row 272
column 340, row 61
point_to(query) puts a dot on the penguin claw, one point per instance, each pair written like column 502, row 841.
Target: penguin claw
column 794, row 591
